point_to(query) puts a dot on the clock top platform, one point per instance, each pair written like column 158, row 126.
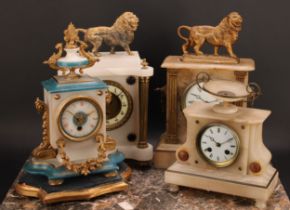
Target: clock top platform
column 243, row 115
column 119, row 64
column 84, row 83
column 175, row 62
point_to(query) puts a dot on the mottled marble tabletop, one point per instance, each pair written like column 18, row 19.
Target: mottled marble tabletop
column 147, row 190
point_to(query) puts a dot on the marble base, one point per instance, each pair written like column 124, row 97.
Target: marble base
column 147, row 190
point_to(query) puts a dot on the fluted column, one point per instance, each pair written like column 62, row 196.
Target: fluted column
column 171, row 104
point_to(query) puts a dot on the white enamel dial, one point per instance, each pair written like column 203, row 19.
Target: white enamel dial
column 119, row 105
column 193, row 93
column 219, row 145
column 79, row 119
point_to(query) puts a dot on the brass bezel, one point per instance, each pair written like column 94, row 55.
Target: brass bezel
column 68, row 102
column 130, row 105
column 211, row 162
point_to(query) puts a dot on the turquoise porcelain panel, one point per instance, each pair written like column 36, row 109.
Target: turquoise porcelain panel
column 61, row 172
column 52, row 86
column 77, row 64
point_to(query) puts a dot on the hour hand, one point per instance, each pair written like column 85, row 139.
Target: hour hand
column 200, row 98
column 91, row 112
column 197, row 96
column 70, row 112
column 211, row 138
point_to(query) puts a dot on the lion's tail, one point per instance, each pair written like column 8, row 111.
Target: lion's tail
column 82, row 30
column 179, row 32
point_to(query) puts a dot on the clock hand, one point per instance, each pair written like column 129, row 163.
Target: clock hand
column 200, row 98
column 70, row 112
column 212, row 139
column 211, row 101
column 230, row 139
column 197, row 96
column 91, row 112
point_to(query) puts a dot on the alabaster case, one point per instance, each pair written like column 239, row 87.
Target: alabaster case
column 127, row 78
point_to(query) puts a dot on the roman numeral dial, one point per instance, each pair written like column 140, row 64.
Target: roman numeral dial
column 218, row 144
column 119, row 105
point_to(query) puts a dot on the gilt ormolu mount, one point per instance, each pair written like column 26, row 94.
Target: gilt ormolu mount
column 121, row 33
column 225, row 34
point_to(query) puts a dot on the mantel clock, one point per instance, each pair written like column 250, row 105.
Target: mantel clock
column 127, row 78
column 182, row 91
column 76, row 156
column 224, row 150
column 181, row 88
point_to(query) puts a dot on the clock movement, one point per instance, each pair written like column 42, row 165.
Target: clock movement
column 224, row 150
column 76, row 159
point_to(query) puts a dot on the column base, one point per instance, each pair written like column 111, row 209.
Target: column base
column 135, row 153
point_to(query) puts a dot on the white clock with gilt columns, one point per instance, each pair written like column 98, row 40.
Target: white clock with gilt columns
column 127, row 77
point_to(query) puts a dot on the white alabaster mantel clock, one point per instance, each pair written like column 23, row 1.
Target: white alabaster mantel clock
column 76, row 160
column 224, row 149
column 127, row 77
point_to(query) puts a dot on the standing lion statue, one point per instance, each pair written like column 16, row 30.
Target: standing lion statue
column 224, row 34
column 121, row 33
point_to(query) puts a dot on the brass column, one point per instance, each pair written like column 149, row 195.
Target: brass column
column 143, row 112
column 171, row 104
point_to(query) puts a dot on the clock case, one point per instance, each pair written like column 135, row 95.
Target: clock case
column 131, row 74
column 45, row 175
column 250, row 175
column 180, row 75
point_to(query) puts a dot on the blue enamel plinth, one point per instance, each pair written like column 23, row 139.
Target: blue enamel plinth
column 76, row 64
column 61, row 172
column 52, row 86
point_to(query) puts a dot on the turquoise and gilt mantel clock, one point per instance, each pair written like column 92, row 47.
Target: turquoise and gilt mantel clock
column 76, row 160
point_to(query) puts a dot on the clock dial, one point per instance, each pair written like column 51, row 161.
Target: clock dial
column 193, row 93
column 80, row 118
column 119, row 105
column 218, row 144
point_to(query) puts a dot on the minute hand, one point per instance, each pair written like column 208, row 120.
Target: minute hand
column 200, row 98
column 230, row 139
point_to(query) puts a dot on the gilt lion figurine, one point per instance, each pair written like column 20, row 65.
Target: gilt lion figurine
column 224, row 34
column 121, row 33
